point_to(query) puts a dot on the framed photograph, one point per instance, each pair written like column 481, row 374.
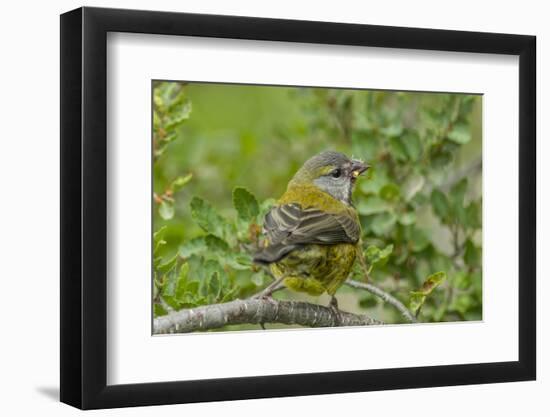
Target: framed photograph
column 258, row 208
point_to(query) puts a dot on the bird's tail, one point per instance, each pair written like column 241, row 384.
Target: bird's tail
column 273, row 253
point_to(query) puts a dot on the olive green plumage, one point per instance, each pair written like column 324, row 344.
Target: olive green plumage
column 313, row 231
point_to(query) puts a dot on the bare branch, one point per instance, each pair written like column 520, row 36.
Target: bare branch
column 256, row 311
column 384, row 296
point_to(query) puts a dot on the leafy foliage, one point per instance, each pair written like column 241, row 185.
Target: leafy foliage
column 420, row 207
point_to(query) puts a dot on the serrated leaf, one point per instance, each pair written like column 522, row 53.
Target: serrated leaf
column 238, row 261
column 192, row 287
column 170, row 282
column 245, row 203
column 159, row 310
column 158, row 242
column 168, row 265
column 192, row 247
column 207, row 218
column 416, row 301
column 214, row 285
column 215, row 244
column 375, row 255
column 159, row 234
column 417, row 298
column 181, row 285
column 166, row 210
column 432, row 282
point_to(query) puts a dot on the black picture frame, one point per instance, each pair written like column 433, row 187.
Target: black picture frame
column 84, row 207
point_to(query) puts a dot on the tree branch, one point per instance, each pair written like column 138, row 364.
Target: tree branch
column 384, row 296
column 256, row 311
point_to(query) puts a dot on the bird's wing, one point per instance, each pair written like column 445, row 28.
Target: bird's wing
column 289, row 226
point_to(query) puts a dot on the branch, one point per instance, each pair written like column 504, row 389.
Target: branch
column 256, row 311
column 384, row 296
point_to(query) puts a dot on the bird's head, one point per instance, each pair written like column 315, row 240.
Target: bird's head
column 332, row 172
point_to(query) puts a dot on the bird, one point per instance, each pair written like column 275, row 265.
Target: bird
column 312, row 234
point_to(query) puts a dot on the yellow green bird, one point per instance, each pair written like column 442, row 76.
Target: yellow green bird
column 313, row 232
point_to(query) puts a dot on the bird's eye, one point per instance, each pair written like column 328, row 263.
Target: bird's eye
column 336, row 173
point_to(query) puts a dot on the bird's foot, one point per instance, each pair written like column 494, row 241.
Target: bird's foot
column 333, row 306
column 266, row 294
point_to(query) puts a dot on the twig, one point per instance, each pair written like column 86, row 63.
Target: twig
column 384, row 296
column 256, row 311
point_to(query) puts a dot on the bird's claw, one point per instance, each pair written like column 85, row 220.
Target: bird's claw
column 333, row 306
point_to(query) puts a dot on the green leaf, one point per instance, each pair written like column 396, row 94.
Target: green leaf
column 392, row 130
column 368, row 302
column 372, row 205
column 412, row 144
column 181, row 114
column 238, row 261
column 158, row 240
column 472, row 254
column 245, row 203
column 390, row 192
column 397, row 149
column 214, row 286
column 180, row 182
column 457, row 200
column 416, row 301
column 375, row 256
column 432, row 282
column 440, row 205
column 462, row 280
column 418, row 239
column 193, row 247
column 159, row 310
column 168, row 265
column 461, row 303
column 473, row 215
column 192, row 287
column 417, row 298
column 181, row 285
column 383, row 223
column 376, row 179
column 169, row 287
column 207, row 218
column 258, row 279
column 460, row 133
column 365, row 144
column 441, row 159
column 215, row 244
column 166, row 209
column 265, row 206
column 408, row 218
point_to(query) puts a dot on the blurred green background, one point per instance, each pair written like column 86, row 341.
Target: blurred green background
column 421, row 200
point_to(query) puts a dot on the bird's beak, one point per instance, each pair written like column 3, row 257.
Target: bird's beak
column 358, row 167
